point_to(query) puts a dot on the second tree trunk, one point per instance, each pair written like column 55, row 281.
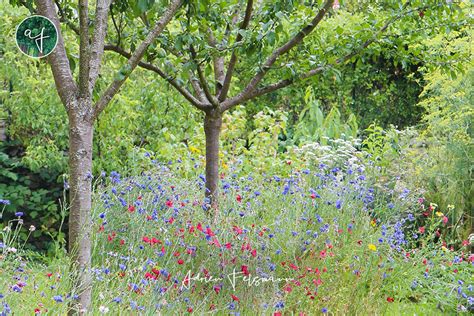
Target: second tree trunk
column 212, row 129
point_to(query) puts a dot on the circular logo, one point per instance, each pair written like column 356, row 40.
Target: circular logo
column 36, row 36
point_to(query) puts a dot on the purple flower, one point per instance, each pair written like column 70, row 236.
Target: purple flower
column 58, row 298
column 5, row 202
column 19, row 214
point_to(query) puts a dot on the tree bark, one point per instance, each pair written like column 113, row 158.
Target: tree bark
column 212, row 129
column 80, row 196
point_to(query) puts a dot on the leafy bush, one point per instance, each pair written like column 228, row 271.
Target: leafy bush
column 33, row 194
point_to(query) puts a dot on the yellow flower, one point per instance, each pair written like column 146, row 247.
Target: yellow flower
column 439, row 214
column 224, row 165
column 450, row 207
column 373, row 223
column 444, row 248
column 372, row 247
column 194, row 150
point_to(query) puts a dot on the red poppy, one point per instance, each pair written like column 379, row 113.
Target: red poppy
column 131, row 208
column 238, row 198
column 254, row 252
column 294, row 267
column 245, row 270
column 180, row 261
column 235, row 298
column 209, row 232
column 238, row 230
column 228, row 245
column 169, row 203
column 199, row 226
column 390, row 299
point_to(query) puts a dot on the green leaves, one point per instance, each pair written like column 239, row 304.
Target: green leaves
column 123, row 72
column 141, row 6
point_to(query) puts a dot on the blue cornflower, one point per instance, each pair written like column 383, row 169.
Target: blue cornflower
column 58, row 298
column 19, row 214
column 5, row 202
column 272, row 266
column 324, row 310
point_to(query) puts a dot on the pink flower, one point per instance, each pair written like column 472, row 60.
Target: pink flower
column 445, row 219
column 421, row 229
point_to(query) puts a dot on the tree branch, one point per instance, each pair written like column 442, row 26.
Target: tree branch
column 172, row 81
column 84, row 48
column 286, row 82
column 64, row 18
column 218, row 63
column 202, row 79
column 283, row 50
column 197, row 89
column 65, row 85
column 233, row 58
column 98, row 39
column 135, row 58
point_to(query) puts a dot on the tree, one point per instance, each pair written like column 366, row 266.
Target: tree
column 83, row 110
column 204, row 49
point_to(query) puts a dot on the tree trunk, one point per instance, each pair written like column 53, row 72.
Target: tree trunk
column 80, row 196
column 212, row 129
